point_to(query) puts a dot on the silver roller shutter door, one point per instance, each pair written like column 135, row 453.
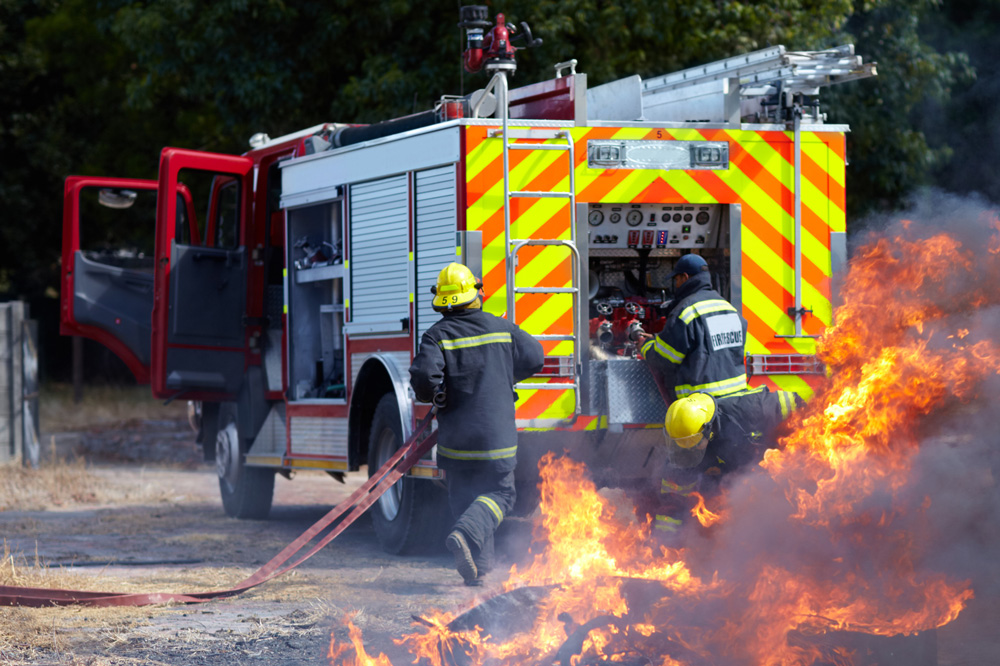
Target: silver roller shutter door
column 435, row 224
column 379, row 252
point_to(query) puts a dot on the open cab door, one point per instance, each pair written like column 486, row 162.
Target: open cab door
column 107, row 265
column 199, row 342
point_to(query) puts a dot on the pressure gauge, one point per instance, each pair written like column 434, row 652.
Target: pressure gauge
column 595, row 217
column 615, row 218
column 634, row 218
column 702, row 217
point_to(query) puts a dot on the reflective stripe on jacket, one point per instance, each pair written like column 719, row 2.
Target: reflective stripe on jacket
column 745, row 427
column 478, row 358
column 700, row 349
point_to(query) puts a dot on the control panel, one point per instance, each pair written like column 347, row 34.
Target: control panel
column 653, row 226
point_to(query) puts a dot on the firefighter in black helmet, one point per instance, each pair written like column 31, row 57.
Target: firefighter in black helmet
column 473, row 359
column 700, row 349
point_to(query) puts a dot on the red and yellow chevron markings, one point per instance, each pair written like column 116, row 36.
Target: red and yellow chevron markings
column 760, row 178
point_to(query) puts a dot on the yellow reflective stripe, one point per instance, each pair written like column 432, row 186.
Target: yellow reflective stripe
column 646, row 347
column 492, row 506
column 496, row 454
column 475, row 341
column 666, row 351
column 787, row 401
column 695, row 310
column 667, row 524
column 716, row 389
column 667, row 487
column 749, row 391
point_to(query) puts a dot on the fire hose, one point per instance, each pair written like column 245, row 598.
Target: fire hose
column 355, row 505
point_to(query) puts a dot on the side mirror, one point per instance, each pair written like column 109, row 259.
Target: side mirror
column 117, row 199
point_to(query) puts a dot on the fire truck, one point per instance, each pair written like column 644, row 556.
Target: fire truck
column 285, row 291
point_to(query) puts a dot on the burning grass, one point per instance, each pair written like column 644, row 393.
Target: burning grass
column 852, row 530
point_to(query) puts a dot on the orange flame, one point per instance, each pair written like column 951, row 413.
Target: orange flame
column 819, row 538
column 337, row 653
column 700, row 511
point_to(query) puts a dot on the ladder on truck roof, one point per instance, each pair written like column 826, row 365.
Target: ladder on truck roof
column 514, row 245
column 759, row 72
column 724, row 90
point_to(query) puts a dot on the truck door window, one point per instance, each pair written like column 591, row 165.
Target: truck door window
column 187, row 222
column 117, row 226
column 217, row 197
column 227, row 227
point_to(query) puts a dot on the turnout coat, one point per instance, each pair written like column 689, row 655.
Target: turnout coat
column 477, row 358
column 700, row 348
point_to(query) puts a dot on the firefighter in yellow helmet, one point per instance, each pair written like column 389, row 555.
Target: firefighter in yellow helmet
column 471, row 360
column 707, row 437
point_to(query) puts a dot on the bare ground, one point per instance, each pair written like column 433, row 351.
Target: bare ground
column 128, row 506
column 143, row 515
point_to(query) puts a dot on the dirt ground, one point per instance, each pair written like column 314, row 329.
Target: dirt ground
column 144, row 515
column 130, row 507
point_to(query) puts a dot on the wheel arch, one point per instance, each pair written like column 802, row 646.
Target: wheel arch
column 380, row 374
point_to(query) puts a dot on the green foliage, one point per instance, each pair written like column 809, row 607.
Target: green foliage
column 969, row 120
column 100, row 87
column 889, row 153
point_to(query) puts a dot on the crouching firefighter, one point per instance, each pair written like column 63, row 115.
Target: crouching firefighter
column 708, row 437
column 468, row 362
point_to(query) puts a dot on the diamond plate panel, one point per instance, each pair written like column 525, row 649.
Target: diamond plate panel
column 270, row 441
column 631, row 393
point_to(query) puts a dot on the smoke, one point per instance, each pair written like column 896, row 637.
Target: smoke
column 935, row 520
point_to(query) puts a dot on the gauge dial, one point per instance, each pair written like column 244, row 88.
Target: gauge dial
column 634, row 218
column 702, row 217
column 687, row 217
column 616, row 218
column 595, row 217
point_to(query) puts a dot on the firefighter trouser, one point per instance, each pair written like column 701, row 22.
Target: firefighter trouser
column 479, row 500
column 676, row 500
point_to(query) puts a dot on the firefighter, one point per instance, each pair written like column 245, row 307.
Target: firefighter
column 708, row 437
column 468, row 362
column 700, row 348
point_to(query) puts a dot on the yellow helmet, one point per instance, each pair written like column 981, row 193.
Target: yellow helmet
column 688, row 428
column 456, row 288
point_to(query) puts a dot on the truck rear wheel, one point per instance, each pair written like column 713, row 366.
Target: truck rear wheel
column 247, row 492
column 410, row 516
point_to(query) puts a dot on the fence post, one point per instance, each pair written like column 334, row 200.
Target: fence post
column 7, row 450
column 18, row 385
column 32, row 446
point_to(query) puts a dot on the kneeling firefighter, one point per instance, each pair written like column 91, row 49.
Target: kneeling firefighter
column 708, row 437
column 468, row 363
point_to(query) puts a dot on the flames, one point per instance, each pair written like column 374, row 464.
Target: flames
column 829, row 534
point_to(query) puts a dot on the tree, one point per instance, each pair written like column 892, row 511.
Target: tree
column 968, row 121
column 888, row 150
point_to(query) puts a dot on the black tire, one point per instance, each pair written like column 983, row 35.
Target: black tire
column 247, row 492
column 412, row 516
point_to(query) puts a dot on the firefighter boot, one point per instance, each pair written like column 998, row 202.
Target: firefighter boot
column 464, row 562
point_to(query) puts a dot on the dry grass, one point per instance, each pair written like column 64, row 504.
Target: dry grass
column 65, row 634
column 101, row 405
column 27, row 633
column 64, row 483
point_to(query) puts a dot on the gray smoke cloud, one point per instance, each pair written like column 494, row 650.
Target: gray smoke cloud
column 943, row 522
